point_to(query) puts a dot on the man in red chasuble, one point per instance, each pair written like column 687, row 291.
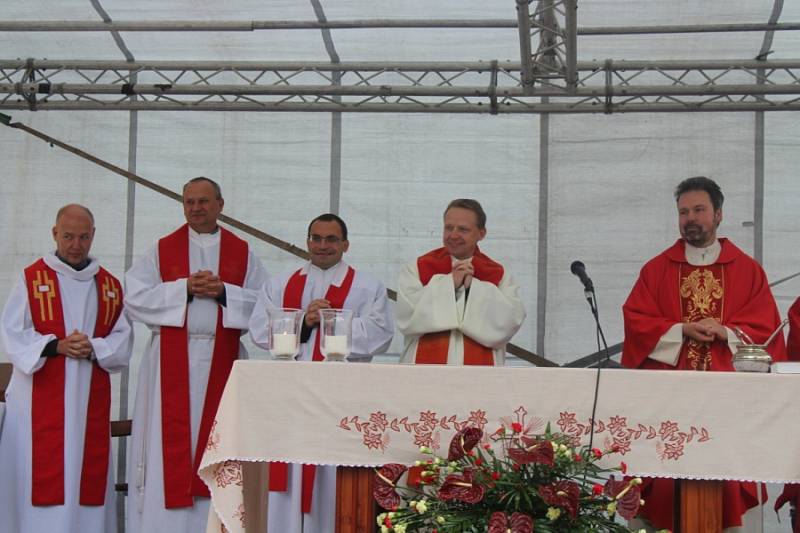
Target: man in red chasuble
column 455, row 305
column 682, row 315
column 64, row 332
column 195, row 291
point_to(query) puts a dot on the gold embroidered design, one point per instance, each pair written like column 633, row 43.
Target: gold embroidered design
column 44, row 291
column 704, row 292
column 701, row 293
column 110, row 295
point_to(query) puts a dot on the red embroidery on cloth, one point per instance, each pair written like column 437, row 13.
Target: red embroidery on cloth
column 228, row 473
column 240, row 514
column 213, row 437
column 670, row 444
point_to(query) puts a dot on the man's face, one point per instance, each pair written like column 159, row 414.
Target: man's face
column 697, row 218
column 201, row 206
column 325, row 244
column 73, row 234
column 461, row 233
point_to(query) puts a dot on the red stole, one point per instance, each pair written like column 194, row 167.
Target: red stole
column 432, row 348
column 293, row 298
column 181, row 482
column 47, row 401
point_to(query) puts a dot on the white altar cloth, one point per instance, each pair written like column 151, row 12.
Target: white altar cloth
column 699, row 425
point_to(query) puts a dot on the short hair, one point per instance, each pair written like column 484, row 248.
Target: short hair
column 471, row 205
column 79, row 206
column 329, row 217
column 217, row 188
column 701, row 183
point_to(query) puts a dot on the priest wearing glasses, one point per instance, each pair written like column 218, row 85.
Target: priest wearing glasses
column 302, row 498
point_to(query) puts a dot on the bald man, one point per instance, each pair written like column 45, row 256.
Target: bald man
column 64, row 331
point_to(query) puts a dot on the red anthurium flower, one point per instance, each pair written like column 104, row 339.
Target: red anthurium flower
column 564, row 494
column 499, row 522
column 597, row 489
column 463, row 442
column 623, row 467
column 597, row 452
column 516, row 427
column 461, row 487
column 627, row 494
column 540, row 452
column 495, row 475
column 385, row 479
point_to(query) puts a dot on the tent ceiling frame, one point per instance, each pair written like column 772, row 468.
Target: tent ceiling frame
column 548, row 44
column 447, row 87
column 262, row 25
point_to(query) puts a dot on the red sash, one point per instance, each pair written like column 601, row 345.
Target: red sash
column 47, row 401
column 432, row 348
column 293, row 298
column 181, row 482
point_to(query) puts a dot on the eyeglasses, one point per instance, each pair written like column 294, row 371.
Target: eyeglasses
column 329, row 239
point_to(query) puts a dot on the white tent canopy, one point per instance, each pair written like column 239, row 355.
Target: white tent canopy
column 384, row 112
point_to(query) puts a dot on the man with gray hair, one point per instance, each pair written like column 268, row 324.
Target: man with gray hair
column 64, row 331
column 455, row 305
column 195, row 290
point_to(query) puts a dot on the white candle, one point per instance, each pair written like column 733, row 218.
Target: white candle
column 284, row 345
column 336, row 346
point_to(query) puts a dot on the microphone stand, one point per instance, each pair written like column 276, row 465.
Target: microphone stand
column 591, row 298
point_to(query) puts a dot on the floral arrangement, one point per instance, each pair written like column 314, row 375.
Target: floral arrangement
column 543, row 483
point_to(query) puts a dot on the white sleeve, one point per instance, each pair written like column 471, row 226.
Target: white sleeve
column 425, row 309
column 151, row 301
column 493, row 314
column 258, row 325
column 113, row 352
column 240, row 301
column 22, row 342
column 668, row 347
column 373, row 327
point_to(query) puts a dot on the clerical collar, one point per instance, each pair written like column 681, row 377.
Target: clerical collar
column 453, row 259
column 205, row 239
column 77, row 268
column 703, row 256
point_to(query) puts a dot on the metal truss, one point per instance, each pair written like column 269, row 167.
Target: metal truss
column 548, row 42
column 457, row 87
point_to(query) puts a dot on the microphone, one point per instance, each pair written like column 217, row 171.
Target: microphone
column 579, row 269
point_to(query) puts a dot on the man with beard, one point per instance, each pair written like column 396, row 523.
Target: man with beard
column 681, row 315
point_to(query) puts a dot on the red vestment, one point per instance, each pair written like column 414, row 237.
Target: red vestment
column 655, row 304
column 791, row 492
column 793, row 341
column 432, row 347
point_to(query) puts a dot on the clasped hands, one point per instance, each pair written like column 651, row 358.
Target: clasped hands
column 77, row 345
column 312, row 312
column 204, row 284
column 706, row 330
column 462, row 273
